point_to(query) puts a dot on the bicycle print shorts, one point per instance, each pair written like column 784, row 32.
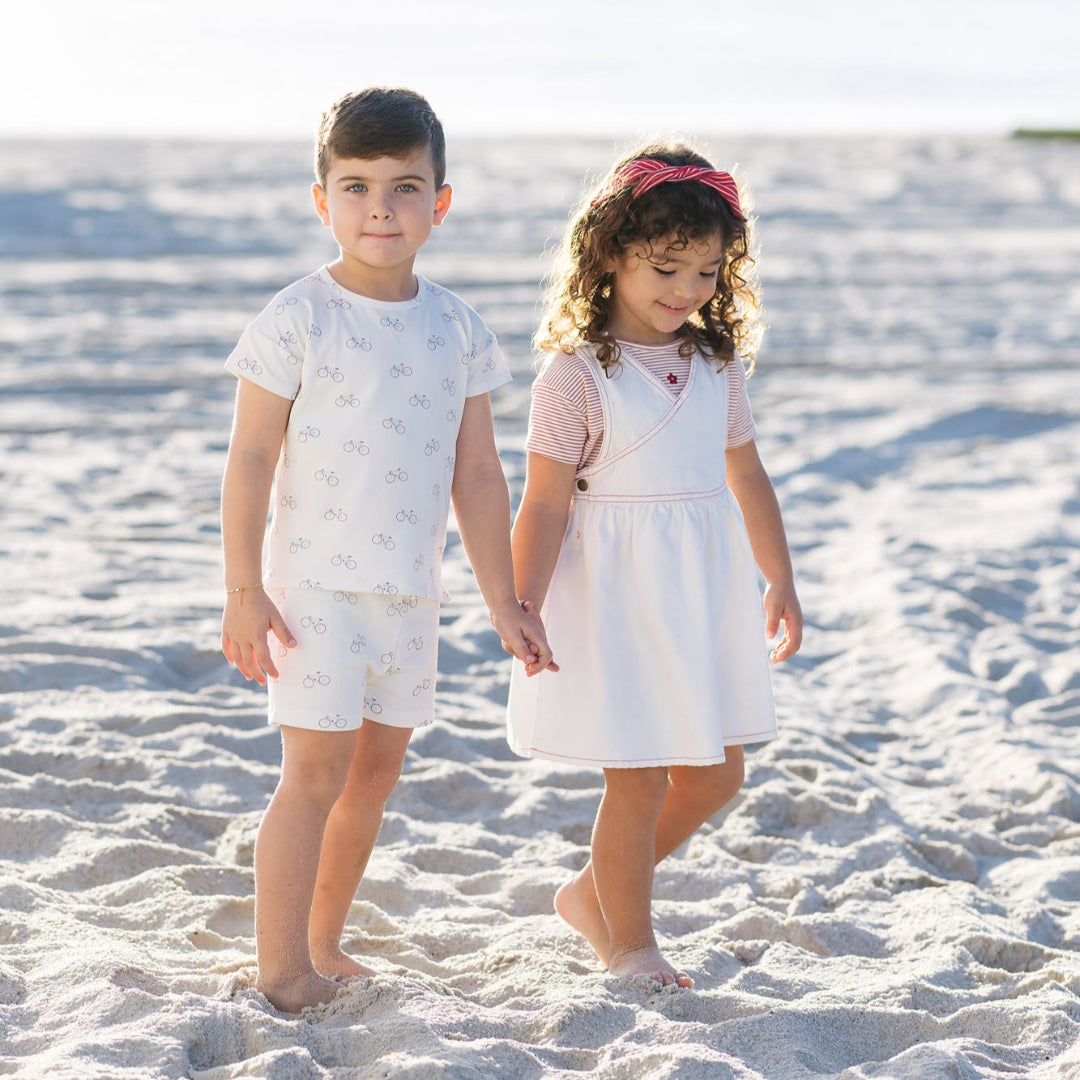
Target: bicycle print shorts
column 357, row 656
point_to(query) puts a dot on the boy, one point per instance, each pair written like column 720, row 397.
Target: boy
column 363, row 390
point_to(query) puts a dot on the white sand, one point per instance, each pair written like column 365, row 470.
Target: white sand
column 896, row 892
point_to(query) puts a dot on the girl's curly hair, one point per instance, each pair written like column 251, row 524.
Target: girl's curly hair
column 675, row 216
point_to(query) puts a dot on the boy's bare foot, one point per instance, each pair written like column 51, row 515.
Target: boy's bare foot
column 292, row 995
column 577, row 905
column 648, row 961
column 334, row 962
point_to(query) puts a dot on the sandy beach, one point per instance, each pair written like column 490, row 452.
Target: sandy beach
column 896, row 891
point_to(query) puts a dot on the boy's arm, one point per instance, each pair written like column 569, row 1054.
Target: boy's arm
column 540, row 525
column 750, row 485
column 254, row 447
column 482, row 507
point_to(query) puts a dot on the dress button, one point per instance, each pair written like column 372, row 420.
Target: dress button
column 583, row 484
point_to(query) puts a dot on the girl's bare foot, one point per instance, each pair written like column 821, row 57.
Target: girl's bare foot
column 577, row 905
column 648, row 961
column 292, row 995
column 334, row 962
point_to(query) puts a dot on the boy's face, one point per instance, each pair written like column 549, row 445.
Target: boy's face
column 381, row 211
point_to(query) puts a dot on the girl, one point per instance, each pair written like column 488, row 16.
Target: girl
column 630, row 538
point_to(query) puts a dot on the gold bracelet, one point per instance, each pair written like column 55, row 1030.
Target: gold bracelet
column 244, row 588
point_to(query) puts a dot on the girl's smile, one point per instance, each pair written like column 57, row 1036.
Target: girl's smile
column 656, row 289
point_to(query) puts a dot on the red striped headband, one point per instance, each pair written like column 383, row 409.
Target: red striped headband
column 646, row 173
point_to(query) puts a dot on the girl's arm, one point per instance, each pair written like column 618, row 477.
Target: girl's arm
column 258, row 430
column 752, row 488
column 482, row 507
column 540, row 525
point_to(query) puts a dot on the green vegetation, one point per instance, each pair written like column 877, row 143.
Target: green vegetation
column 1047, row 133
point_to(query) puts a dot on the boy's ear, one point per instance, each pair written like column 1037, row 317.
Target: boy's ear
column 318, row 193
column 442, row 203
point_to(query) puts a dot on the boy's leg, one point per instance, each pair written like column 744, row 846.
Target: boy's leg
column 694, row 794
column 314, row 769
column 349, row 838
column 623, row 857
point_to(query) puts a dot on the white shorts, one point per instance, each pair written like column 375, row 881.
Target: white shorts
column 357, row 655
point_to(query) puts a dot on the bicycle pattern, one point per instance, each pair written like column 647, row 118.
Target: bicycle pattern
column 343, row 597
column 323, row 451
column 420, row 687
column 313, row 623
column 316, row 678
column 335, row 721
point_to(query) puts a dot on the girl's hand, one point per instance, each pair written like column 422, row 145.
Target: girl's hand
column 248, row 619
column 782, row 608
column 522, row 634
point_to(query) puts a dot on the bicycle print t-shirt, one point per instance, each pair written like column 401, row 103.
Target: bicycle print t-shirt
column 362, row 488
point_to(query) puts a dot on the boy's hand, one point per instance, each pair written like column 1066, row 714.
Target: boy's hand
column 248, row 619
column 522, row 634
column 782, row 607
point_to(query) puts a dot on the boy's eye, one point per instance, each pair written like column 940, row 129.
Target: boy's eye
column 406, row 187
column 356, row 187
column 664, row 273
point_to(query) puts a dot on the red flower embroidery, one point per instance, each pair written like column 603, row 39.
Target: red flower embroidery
column 673, row 378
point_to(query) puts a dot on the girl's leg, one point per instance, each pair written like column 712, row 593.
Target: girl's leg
column 623, row 857
column 348, row 841
column 694, row 794
column 314, row 768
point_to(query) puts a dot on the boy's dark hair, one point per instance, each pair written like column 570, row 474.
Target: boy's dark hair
column 379, row 122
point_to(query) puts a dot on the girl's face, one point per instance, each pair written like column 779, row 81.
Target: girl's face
column 657, row 287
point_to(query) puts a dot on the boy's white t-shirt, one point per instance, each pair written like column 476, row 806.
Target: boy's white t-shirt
column 362, row 489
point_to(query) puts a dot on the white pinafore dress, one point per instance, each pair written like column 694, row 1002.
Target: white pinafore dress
column 653, row 612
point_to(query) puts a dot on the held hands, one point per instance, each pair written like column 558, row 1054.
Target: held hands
column 522, row 635
column 247, row 620
column 782, row 608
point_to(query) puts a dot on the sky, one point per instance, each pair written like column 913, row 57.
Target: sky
column 236, row 68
